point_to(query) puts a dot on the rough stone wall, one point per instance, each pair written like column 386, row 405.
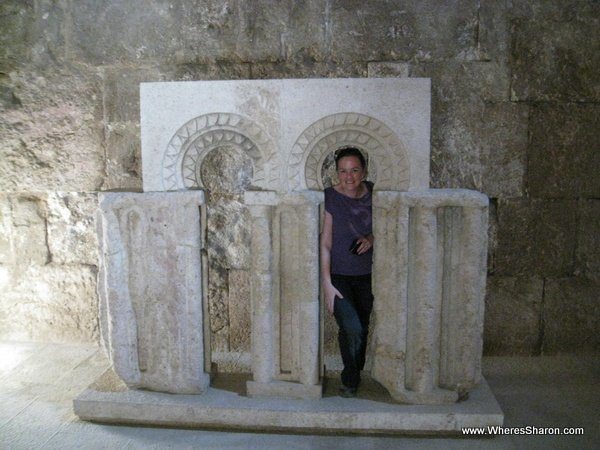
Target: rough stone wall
column 515, row 114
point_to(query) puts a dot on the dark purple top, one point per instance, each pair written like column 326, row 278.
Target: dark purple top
column 352, row 218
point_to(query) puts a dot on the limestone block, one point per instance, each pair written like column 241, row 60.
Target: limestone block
column 248, row 32
column 28, row 234
column 459, row 115
column 285, row 301
column 513, row 308
column 150, row 286
column 492, row 236
column 308, row 69
column 502, row 139
column 570, row 314
column 52, row 140
column 240, row 325
column 49, row 303
column 287, row 128
column 6, row 226
column 228, row 232
column 411, row 30
column 494, row 30
column 555, row 52
column 72, row 228
column 429, row 282
column 535, row 237
column 138, row 31
column 122, row 93
column 123, row 157
column 221, row 70
column 388, row 69
column 16, row 18
column 588, row 240
column 564, row 151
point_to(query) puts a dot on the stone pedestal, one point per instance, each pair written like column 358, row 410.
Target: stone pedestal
column 285, row 294
column 429, row 285
column 150, row 289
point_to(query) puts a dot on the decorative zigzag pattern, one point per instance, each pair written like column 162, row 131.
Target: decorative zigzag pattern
column 194, row 140
column 387, row 156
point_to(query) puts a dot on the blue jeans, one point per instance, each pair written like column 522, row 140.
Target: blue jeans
column 352, row 314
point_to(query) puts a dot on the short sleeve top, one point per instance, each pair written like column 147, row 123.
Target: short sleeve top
column 352, row 219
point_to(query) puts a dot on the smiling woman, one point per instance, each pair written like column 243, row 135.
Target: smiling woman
column 347, row 259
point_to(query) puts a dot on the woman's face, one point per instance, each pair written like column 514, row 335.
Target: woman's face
column 350, row 174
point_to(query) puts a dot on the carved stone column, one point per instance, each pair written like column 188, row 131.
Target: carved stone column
column 150, row 289
column 285, row 294
column 429, row 286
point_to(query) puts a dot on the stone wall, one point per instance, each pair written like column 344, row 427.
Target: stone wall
column 515, row 114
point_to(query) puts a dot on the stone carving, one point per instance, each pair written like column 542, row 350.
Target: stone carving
column 388, row 161
column 182, row 160
column 150, row 289
column 429, row 283
column 285, row 300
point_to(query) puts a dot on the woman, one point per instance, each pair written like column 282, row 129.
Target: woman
column 346, row 261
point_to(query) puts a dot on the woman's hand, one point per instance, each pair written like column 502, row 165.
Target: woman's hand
column 365, row 243
column 330, row 294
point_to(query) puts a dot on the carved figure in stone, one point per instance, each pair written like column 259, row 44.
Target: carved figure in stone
column 347, row 260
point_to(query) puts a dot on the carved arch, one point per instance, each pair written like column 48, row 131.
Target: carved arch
column 198, row 137
column 388, row 158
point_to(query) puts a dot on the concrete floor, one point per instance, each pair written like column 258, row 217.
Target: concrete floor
column 38, row 382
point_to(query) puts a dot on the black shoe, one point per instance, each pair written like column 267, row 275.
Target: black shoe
column 347, row 392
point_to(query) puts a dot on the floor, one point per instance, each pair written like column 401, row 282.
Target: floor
column 38, row 382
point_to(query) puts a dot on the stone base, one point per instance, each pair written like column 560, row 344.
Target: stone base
column 225, row 406
column 284, row 389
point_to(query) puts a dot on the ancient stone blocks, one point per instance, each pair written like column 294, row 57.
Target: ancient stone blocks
column 150, row 286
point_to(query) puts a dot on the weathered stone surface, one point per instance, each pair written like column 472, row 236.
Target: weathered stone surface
column 28, row 231
column 564, row 150
column 51, row 138
column 285, row 300
column 123, row 157
column 246, row 31
column 108, row 400
column 556, row 51
column 458, row 113
column 228, row 247
column 493, row 32
column 536, row 237
column 16, row 18
column 412, row 30
column 429, row 274
column 240, row 324
column 72, row 228
column 492, row 236
column 388, row 69
column 50, row 302
column 513, row 315
column 307, row 69
column 150, row 288
column 121, row 91
column 502, row 139
column 571, row 320
column 108, row 32
column 588, row 240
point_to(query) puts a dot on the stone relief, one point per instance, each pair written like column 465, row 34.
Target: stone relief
column 429, row 260
column 182, row 160
column 388, row 161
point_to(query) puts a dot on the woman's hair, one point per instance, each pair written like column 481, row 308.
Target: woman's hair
column 350, row 151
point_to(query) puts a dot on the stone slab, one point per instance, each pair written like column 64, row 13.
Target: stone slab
column 273, row 119
column 109, row 401
column 284, row 389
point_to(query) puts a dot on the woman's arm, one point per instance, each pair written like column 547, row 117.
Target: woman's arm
column 326, row 238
